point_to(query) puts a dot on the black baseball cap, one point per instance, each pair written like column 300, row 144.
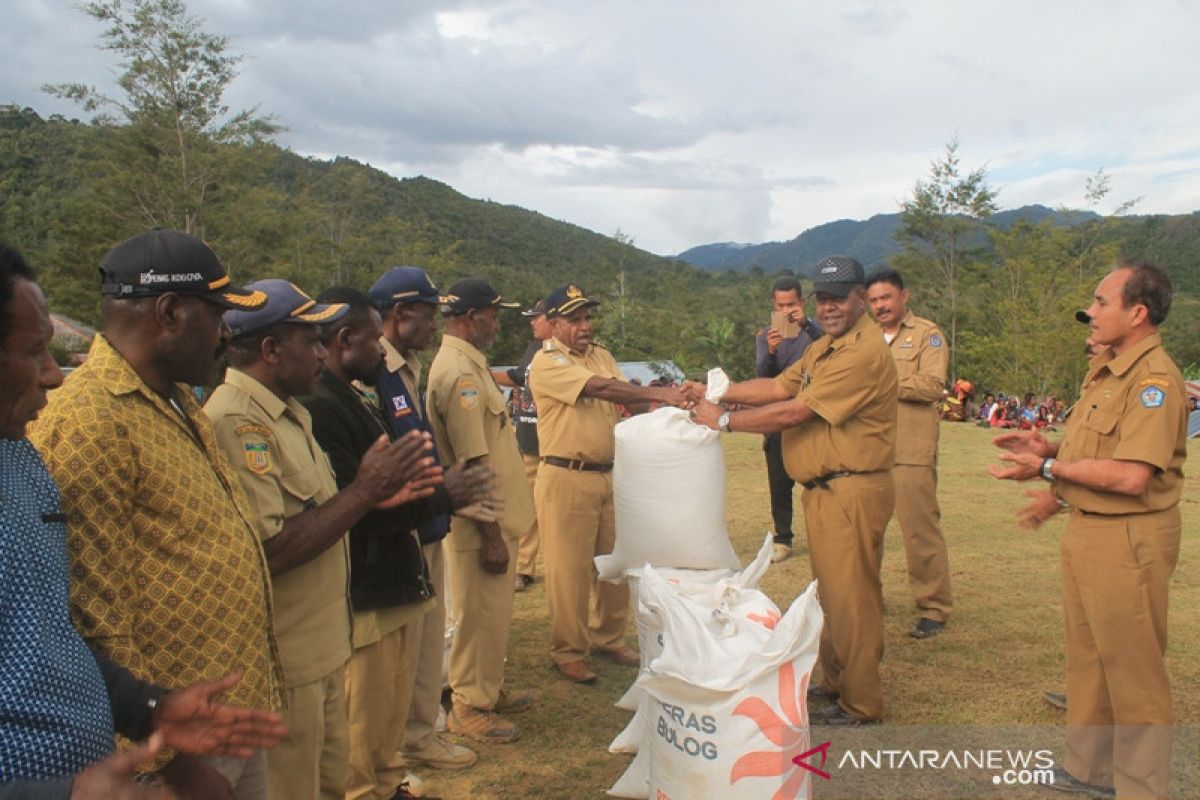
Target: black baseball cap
column 472, row 293
column 538, row 310
column 566, row 299
column 285, row 303
column 160, row 261
column 403, row 285
column 837, row 275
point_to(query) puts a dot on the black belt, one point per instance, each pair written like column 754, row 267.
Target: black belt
column 582, row 466
column 822, row 482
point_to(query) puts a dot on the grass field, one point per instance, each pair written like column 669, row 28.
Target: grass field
column 1001, row 649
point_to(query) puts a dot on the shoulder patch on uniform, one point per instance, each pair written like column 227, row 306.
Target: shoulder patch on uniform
column 1152, row 397
column 468, row 394
column 258, row 457
column 935, row 341
column 1161, row 383
column 254, row 428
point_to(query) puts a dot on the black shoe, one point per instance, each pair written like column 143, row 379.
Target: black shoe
column 924, row 628
column 1065, row 782
column 820, row 694
column 1057, row 700
column 838, row 716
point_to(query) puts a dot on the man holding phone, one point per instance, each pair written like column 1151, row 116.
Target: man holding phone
column 776, row 349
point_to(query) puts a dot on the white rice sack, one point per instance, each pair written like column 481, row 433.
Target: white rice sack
column 634, row 781
column 669, row 496
column 724, row 680
column 629, row 700
column 629, row 740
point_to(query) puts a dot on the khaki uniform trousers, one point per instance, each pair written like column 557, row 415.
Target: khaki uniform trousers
column 1116, row 572
column 575, row 513
column 379, row 681
column 483, row 606
column 429, row 655
column 845, row 525
column 920, row 521
column 527, row 547
column 311, row 762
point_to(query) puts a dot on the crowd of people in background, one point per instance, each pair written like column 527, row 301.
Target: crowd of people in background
column 1002, row 410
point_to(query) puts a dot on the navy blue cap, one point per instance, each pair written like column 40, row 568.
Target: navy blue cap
column 160, row 261
column 566, row 299
column 403, row 285
column 285, row 303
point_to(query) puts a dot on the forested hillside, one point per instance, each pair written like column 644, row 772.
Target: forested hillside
column 322, row 223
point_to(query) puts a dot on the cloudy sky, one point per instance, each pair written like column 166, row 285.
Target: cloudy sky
column 683, row 123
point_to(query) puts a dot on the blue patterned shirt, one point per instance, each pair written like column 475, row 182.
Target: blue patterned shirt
column 55, row 717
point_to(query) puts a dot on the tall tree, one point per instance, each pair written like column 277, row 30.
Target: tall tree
column 940, row 232
column 166, row 166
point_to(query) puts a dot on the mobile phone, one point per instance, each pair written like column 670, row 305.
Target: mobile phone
column 781, row 323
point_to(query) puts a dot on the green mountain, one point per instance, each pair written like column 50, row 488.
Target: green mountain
column 870, row 241
column 340, row 222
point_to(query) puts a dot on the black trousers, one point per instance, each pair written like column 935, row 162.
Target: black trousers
column 781, row 488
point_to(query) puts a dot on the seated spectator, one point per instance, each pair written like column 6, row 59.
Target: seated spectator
column 985, row 408
column 1028, row 415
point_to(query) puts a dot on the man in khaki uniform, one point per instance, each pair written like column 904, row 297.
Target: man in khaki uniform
column 576, row 386
column 920, row 352
column 467, row 411
column 1119, row 469
column 275, row 355
column 836, row 407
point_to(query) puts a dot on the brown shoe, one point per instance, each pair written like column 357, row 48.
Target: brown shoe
column 577, row 671
column 513, row 702
column 480, row 725
column 625, row 656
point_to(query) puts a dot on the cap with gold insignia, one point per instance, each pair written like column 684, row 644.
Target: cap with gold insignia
column 472, row 293
column 403, row 285
column 160, row 261
column 838, row 275
column 567, row 299
column 285, row 303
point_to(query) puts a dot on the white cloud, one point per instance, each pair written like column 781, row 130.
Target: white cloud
column 689, row 122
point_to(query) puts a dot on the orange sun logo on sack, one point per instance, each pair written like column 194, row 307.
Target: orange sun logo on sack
column 788, row 733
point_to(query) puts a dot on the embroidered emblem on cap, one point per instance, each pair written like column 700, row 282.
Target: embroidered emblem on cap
column 1152, row 397
column 574, row 292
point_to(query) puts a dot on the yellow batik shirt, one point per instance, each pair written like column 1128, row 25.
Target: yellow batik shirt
column 167, row 574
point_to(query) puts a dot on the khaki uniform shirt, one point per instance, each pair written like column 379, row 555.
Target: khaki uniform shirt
column 1133, row 408
column 285, row 472
column 569, row 425
column 919, row 350
column 467, row 411
column 167, row 574
column 850, row 382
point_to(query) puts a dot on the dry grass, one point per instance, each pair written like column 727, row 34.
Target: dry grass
column 1000, row 651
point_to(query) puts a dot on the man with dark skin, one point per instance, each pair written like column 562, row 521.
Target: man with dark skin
column 837, row 409
column 407, row 301
column 577, row 386
column 389, row 582
column 471, row 426
column 276, row 355
column 127, row 413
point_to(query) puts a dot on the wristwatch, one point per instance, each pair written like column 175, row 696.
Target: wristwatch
column 1047, row 465
column 723, row 422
